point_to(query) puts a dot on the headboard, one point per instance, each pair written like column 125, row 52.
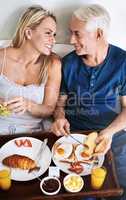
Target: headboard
column 60, row 49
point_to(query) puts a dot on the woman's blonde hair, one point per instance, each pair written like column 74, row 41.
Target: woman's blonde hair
column 32, row 17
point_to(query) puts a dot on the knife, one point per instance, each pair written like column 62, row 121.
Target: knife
column 38, row 155
column 41, row 150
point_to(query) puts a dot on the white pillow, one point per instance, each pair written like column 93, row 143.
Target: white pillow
column 4, row 43
column 63, row 49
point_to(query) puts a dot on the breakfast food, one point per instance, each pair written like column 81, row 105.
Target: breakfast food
column 4, row 110
column 85, row 152
column 50, row 185
column 90, row 144
column 79, row 152
column 19, row 161
column 100, row 148
column 23, row 142
column 62, row 150
column 73, row 183
column 81, row 159
column 76, row 167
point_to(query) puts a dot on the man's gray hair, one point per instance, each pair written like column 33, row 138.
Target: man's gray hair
column 95, row 16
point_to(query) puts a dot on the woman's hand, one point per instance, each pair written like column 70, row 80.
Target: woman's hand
column 18, row 105
column 103, row 141
column 61, row 127
column 1, row 101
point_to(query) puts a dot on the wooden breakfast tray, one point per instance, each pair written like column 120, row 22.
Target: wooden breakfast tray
column 30, row 190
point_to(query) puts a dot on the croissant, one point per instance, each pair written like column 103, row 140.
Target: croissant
column 19, row 161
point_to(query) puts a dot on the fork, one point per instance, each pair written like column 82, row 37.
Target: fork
column 76, row 139
column 12, row 129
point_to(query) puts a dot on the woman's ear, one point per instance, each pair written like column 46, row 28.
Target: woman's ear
column 99, row 33
column 28, row 33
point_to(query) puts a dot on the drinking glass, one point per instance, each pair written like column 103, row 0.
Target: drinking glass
column 5, row 179
column 98, row 177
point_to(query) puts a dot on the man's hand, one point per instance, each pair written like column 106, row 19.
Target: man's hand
column 61, row 127
column 103, row 141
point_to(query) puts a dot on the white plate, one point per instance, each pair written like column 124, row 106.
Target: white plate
column 64, row 166
column 11, row 148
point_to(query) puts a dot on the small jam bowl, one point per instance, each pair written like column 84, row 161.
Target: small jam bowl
column 50, row 185
column 73, row 183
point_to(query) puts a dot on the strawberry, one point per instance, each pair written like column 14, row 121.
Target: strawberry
column 21, row 142
column 27, row 143
column 18, row 143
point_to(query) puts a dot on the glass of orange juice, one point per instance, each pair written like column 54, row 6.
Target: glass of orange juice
column 5, row 178
column 97, row 177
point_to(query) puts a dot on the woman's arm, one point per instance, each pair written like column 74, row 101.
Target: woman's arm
column 51, row 92
column 1, row 101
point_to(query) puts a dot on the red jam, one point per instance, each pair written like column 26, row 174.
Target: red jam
column 50, row 185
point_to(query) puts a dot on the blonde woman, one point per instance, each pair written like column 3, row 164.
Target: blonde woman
column 30, row 73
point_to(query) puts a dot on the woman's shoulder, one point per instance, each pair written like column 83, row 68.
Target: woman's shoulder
column 7, row 49
column 55, row 65
column 55, row 59
column 1, row 57
column 8, row 52
column 1, row 52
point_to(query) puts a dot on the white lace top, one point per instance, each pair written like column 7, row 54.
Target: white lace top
column 9, row 90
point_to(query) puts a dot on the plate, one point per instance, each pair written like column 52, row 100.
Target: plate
column 11, row 148
column 64, row 166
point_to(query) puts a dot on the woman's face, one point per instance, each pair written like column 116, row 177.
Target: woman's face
column 43, row 37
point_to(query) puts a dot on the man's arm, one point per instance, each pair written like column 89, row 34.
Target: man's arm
column 105, row 136
column 61, row 125
column 119, row 123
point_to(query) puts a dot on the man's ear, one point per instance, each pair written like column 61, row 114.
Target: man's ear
column 28, row 33
column 99, row 33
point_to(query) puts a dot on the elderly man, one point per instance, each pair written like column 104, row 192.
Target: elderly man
column 93, row 89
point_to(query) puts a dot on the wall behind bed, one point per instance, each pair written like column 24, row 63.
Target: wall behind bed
column 11, row 10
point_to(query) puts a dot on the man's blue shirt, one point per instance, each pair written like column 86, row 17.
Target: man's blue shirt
column 94, row 92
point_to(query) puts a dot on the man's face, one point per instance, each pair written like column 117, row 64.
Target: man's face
column 85, row 42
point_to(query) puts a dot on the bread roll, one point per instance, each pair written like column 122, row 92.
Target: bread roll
column 90, row 144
